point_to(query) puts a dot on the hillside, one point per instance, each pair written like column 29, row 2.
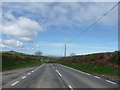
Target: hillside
column 18, row 60
column 103, row 59
column 97, row 63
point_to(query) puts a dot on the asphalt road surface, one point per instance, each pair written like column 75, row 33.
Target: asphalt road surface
column 58, row 76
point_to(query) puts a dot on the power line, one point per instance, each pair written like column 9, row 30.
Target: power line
column 81, row 33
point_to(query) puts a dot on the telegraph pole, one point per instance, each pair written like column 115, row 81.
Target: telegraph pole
column 65, row 51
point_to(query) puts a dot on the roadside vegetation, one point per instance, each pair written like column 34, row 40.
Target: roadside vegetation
column 99, row 63
column 17, row 60
column 95, row 69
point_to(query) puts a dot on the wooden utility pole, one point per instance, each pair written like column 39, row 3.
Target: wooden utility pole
column 65, row 51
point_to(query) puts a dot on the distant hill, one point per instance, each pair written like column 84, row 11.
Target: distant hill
column 11, row 51
column 14, row 52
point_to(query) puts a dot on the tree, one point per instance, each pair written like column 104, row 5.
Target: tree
column 38, row 53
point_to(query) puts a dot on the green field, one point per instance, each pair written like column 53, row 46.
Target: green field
column 95, row 69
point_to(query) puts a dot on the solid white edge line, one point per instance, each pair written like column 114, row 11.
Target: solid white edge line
column 97, row 77
column 76, row 70
column 15, row 83
column 87, row 74
column 23, row 77
column 84, row 73
column 110, row 82
column 69, row 86
column 58, row 72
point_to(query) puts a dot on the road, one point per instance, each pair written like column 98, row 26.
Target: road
column 10, row 75
column 58, row 76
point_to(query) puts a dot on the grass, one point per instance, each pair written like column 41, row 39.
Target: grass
column 11, row 66
column 95, row 69
column 12, row 61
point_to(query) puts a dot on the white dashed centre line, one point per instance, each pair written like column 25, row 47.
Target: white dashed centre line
column 38, row 68
column 29, row 73
column 69, row 86
column 15, row 83
column 32, row 71
column 58, row 72
column 23, row 77
column 110, row 82
column 97, row 77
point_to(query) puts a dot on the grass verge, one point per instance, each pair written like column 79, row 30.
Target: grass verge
column 95, row 69
column 10, row 66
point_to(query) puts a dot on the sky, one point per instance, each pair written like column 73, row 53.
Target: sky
column 28, row 27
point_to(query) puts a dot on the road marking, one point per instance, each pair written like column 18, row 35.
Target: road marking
column 15, row 83
column 69, row 86
column 29, row 73
column 38, row 68
column 110, row 82
column 23, row 77
column 58, row 72
column 32, row 71
column 97, row 77
column 53, row 67
column 41, row 66
column 84, row 73
column 87, row 74
column 76, row 70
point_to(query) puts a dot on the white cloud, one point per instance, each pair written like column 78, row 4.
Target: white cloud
column 9, row 16
column 2, row 46
column 60, row 1
column 12, row 43
column 37, row 45
column 23, row 28
column 77, row 13
column 25, row 20
column 26, row 39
